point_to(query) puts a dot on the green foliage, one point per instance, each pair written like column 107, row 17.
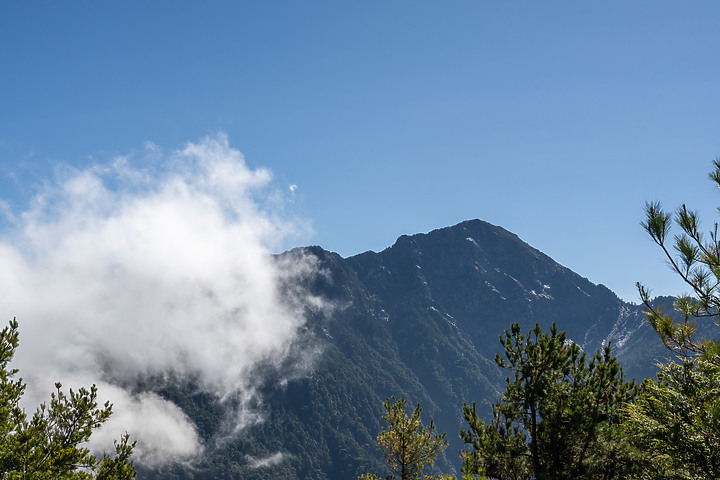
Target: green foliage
column 696, row 260
column 50, row 444
column 120, row 466
column 498, row 448
column 676, row 418
column 676, row 421
column 559, row 416
column 407, row 444
column 442, row 476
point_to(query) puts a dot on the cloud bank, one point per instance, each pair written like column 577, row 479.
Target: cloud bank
column 149, row 267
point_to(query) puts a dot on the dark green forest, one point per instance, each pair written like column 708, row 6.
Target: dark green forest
column 563, row 416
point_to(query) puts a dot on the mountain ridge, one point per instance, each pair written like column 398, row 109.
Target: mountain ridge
column 421, row 320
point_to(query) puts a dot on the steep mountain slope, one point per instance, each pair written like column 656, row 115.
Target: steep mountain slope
column 486, row 277
column 420, row 319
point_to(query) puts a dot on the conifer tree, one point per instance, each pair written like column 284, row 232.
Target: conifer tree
column 696, row 260
column 558, row 417
column 676, row 419
column 408, row 446
column 51, row 444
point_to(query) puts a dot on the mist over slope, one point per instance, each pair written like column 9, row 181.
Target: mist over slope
column 155, row 269
column 420, row 319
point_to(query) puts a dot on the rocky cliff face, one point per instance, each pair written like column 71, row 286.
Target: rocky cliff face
column 420, row 319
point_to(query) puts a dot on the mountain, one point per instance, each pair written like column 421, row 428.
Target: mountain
column 421, row 319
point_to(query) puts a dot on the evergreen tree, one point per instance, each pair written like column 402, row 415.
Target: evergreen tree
column 50, row 444
column 498, row 448
column 676, row 418
column 697, row 262
column 408, row 446
column 559, row 417
column 676, row 421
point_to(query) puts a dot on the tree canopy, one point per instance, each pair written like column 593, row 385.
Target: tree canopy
column 559, row 417
column 407, row 444
column 696, row 260
column 52, row 443
column 675, row 420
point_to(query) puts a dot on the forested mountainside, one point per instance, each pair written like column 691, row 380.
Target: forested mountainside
column 420, row 320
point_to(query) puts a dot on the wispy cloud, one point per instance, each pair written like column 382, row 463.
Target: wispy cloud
column 267, row 461
column 151, row 266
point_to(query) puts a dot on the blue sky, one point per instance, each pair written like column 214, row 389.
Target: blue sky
column 555, row 120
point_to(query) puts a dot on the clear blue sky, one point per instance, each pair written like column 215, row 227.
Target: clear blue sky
column 555, row 120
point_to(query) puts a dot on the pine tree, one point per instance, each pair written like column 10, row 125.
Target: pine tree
column 559, row 415
column 51, row 444
column 408, row 446
column 676, row 421
column 697, row 262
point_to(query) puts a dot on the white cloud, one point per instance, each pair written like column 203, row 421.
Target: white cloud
column 164, row 431
column 132, row 269
column 267, row 461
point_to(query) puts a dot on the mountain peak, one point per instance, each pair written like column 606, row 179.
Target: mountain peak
column 418, row 320
column 469, row 227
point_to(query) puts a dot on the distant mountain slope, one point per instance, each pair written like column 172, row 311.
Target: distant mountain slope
column 420, row 319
